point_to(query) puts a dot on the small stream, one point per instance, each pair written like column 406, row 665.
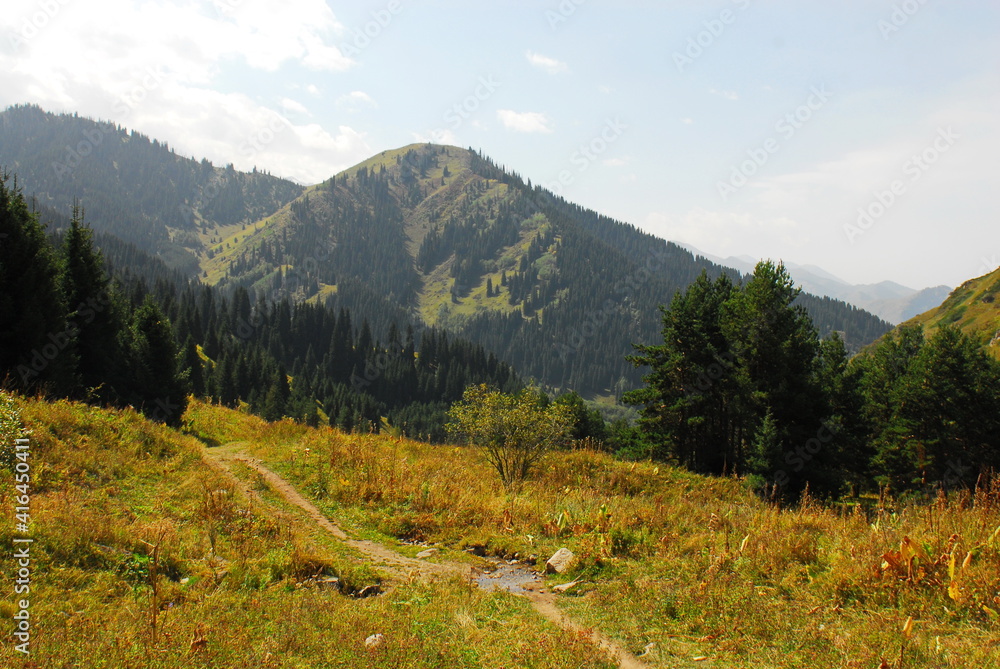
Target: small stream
column 512, row 577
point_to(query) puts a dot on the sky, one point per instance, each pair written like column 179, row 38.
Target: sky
column 860, row 136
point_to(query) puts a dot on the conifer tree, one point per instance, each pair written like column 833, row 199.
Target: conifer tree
column 36, row 351
column 94, row 313
column 158, row 389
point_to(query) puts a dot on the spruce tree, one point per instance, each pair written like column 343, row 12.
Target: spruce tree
column 36, row 344
column 94, row 314
column 158, row 389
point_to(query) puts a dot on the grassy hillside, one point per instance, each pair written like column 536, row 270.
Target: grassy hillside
column 240, row 580
column 973, row 308
column 449, row 188
column 443, row 236
column 687, row 570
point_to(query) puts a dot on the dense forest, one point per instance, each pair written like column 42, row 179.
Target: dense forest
column 742, row 384
column 132, row 186
column 149, row 338
column 566, row 291
column 430, row 235
column 371, row 301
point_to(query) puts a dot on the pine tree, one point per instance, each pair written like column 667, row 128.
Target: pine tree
column 945, row 416
column 94, row 313
column 36, row 351
column 158, row 389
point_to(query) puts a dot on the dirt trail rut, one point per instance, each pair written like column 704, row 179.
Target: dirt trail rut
column 543, row 601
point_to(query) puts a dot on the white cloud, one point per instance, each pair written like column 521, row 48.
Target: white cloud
column 294, row 106
column 524, row 121
column 437, row 136
column 687, row 121
column 616, row 162
column 154, row 67
column 550, row 65
column 355, row 101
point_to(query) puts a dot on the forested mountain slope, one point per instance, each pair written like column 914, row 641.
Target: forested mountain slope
column 131, row 186
column 431, row 235
column 559, row 291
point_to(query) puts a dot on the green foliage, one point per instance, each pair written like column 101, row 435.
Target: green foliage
column 157, row 387
column 933, row 408
column 514, row 431
column 788, row 410
column 36, row 351
column 586, row 423
column 95, row 314
column 734, row 386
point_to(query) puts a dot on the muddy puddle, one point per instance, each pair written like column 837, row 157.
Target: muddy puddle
column 512, row 577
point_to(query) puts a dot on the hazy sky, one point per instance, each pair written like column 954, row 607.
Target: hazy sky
column 741, row 127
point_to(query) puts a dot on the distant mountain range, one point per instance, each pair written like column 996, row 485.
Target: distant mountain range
column 888, row 300
column 132, row 186
column 426, row 234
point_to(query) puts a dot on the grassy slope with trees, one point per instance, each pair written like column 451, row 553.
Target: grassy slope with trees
column 445, row 233
column 973, row 308
column 68, row 330
column 742, row 384
column 698, row 567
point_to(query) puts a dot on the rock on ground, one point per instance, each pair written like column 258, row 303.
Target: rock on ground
column 560, row 562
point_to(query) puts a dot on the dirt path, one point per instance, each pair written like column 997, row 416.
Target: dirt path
column 541, row 599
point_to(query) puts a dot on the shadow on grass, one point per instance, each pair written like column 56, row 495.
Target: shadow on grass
column 208, row 441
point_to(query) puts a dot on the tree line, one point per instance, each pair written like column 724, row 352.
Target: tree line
column 742, row 384
column 149, row 338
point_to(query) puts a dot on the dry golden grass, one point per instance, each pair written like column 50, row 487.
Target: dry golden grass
column 696, row 567
column 233, row 582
